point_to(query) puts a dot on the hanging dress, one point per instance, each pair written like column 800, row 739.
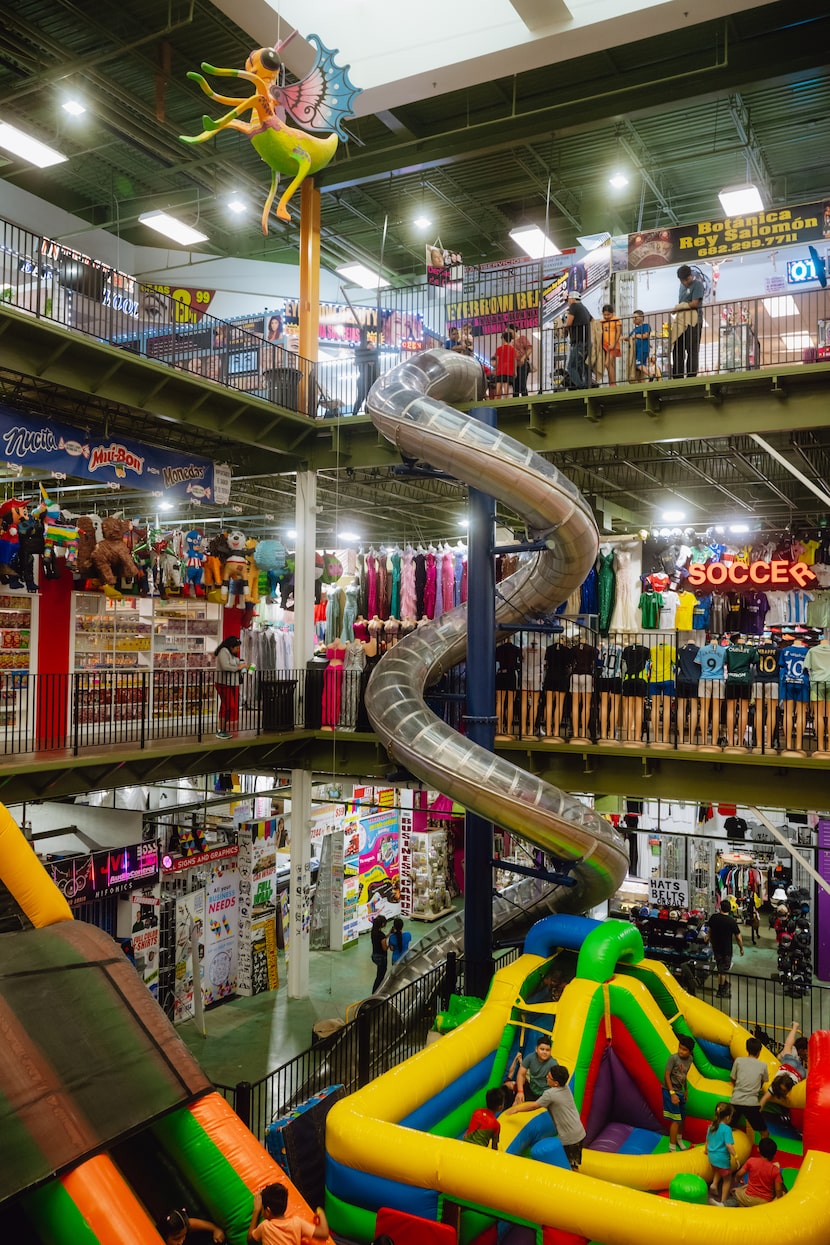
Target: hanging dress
column 409, row 602
column 395, row 597
column 458, row 572
column 354, row 663
column 371, row 585
column 439, row 607
column 626, row 616
column 349, row 613
column 363, row 723
column 606, row 590
column 333, row 685
column 588, row 596
column 420, row 583
column 384, row 587
column 429, row 586
column 448, row 580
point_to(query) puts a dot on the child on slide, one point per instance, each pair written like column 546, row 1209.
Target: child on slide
column 720, row 1151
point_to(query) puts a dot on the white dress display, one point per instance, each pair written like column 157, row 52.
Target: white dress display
column 626, row 616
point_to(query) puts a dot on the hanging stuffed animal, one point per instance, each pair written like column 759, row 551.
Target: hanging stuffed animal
column 194, row 564
column 58, row 534
column 270, row 561
column 111, row 557
column 11, row 512
column 235, row 575
column 253, row 573
column 218, row 550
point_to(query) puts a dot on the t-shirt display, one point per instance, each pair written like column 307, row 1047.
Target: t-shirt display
column 700, row 614
column 649, row 605
column 683, row 619
column 766, row 662
column 739, row 662
column 817, row 665
column 791, row 665
column 688, row 670
column 668, row 611
column 662, row 663
column 710, row 659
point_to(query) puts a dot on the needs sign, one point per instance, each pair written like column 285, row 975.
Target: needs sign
column 775, row 574
column 668, row 892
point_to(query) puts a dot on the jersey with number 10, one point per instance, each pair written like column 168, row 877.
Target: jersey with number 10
column 791, row 665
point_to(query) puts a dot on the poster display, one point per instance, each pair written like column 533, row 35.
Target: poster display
column 380, row 893
column 222, row 932
column 190, row 923
column 144, row 937
column 443, row 267
column 257, row 864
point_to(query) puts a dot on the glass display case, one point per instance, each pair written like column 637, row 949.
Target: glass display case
column 113, row 635
column 185, row 634
column 430, row 896
column 16, row 618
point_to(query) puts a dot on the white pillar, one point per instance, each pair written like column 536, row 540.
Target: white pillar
column 299, row 894
column 305, row 522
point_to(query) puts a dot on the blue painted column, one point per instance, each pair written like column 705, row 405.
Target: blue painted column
column 481, row 728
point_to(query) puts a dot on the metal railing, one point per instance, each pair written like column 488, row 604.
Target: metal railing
column 55, row 283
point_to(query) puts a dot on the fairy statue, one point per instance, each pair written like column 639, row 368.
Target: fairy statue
column 318, row 102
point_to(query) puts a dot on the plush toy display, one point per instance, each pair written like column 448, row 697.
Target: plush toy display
column 58, row 534
column 218, row 550
column 194, row 564
column 31, row 544
column 87, row 541
column 111, row 557
column 235, row 577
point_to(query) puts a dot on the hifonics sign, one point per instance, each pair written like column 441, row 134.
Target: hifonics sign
column 777, row 574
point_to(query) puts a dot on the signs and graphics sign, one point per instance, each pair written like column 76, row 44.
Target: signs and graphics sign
column 668, row 892
column 84, row 878
column 493, row 314
column 775, row 574
column 732, row 235
column 169, row 865
column 257, row 906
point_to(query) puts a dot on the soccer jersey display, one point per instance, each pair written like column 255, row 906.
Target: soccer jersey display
column 791, row 668
column 700, row 614
column 738, row 664
column 662, row 663
column 668, row 611
column 688, row 671
column 683, row 619
column 766, row 663
column 650, row 604
column 710, row 659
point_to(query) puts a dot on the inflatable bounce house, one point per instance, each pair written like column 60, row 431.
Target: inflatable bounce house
column 396, row 1160
column 106, row 1120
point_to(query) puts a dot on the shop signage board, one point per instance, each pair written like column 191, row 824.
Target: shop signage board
column 776, row 574
column 221, row 932
column 189, row 303
column 42, row 444
column 257, row 906
column 380, row 892
column 84, row 878
column 754, row 232
column 668, row 892
column 443, row 267
column 199, row 860
column 145, row 938
column 403, row 330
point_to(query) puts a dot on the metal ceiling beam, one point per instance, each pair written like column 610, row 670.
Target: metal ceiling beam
column 643, row 161
column 754, row 152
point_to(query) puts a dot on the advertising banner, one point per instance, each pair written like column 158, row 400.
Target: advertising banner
column 493, row 314
column 84, row 878
column 380, row 893
column 144, row 937
column 731, row 235
column 190, row 924
column 580, row 278
column 257, row 863
column 42, row 444
column 189, row 303
column 222, row 933
column 443, row 267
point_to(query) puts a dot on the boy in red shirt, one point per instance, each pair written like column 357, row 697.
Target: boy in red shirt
column 484, row 1128
column 505, row 365
column 764, row 1183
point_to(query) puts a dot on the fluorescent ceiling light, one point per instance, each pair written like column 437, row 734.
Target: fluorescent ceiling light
column 162, row 222
column 291, row 534
column 28, row 148
column 738, row 200
column 360, row 275
column 534, row 241
column 796, row 341
column 165, row 505
column 674, row 516
column 591, row 241
column 785, row 305
column 348, row 536
column 237, row 205
column 618, row 181
column 739, row 528
column 422, row 222
column 74, row 107
column 464, row 523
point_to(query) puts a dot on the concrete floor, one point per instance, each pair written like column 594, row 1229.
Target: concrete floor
column 247, row 1038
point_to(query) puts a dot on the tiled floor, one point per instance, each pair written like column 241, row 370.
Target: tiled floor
column 246, row 1038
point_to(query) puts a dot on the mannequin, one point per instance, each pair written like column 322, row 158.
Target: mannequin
column 391, row 629
column 557, row 681
column 765, row 694
column 817, row 664
column 583, row 671
column 795, row 694
column 532, row 674
column 508, row 665
column 360, row 629
column 333, row 684
column 610, row 692
column 636, row 668
column 738, row 665
column 372, row 657
column 408, row 625
column 350, row 611
column 662, row 686
column 710, row 658
column 376, row 629
column 354, row 658
column 687, row 690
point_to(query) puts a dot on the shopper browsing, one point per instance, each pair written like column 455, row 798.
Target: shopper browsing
column 228, row 676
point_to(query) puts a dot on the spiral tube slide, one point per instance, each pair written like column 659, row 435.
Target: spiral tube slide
column 378, row 1155
column 409, row 406
column 25, row 878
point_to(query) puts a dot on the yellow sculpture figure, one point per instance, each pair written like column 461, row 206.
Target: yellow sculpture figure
column 318, row 102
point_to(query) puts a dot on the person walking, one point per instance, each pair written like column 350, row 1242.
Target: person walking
column 685, row 329
column 228, row 676
column 722, row 929
column 380, row 951
column 578, row 327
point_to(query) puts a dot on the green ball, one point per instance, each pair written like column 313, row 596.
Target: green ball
column 688, row 1188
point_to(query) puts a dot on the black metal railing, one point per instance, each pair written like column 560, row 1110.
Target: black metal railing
column 53, row 282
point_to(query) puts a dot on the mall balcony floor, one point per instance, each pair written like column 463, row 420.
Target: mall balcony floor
column 248, row 1038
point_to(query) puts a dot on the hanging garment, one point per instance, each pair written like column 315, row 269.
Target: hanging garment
column 429, row 585
column 588, row 593
column 353, row 666
column 395, row 594
column 626, row 616
column 606, row 590
column 332, row 688
column 439, row 607
column 409, row 602
column 420, row 583
column 349, row 612
column 448, row 580
column 372, row 585
column 384, row 587
column 458, row 572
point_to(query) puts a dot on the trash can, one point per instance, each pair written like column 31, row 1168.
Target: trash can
column 276, row 702
column 284, row 386
column 315, row 674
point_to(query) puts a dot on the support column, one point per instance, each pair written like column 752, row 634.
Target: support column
column 481, row 729
column 309, row 294
column 299, row 894
column 305, row 523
